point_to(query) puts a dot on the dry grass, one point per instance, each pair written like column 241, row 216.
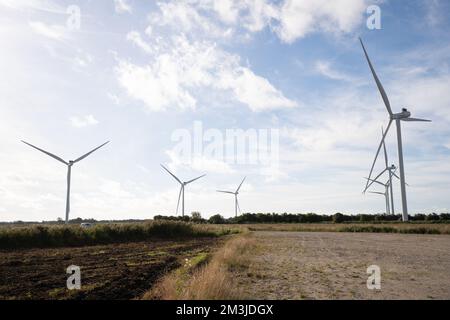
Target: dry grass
column 211, row 280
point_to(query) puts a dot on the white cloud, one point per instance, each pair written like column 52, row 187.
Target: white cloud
column 85, row 121
column 299, row 18
column 39, row 5
column 136, row 38
column 254, row 91
column 289, row 19
column 122, row 6
column 180, row 69
column 434, row 14
column 424, row 95
column 114, row 98
column 156, row 85
column 55, row 32
column 325, row 68
column 184, row 16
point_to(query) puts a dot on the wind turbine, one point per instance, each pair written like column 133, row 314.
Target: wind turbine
column 236, row 202
column 386, row 195
column 69, row 165
column 390, row 168
column 183, row 184
column 405, row 115
column 387, row 186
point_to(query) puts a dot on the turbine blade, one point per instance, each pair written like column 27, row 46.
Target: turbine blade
column 395, row 175
column 415, row 120
column 225, row 192
column 376, row 192
column 179, row 197
column 89, row 153
column 376, row 181
column 240, row 185
column 47, row 153
column 378, row 152
column 373, row 180
column 377, row 80
column 190, row 181
column 384, row 150
column 172, row 174
column 239, row 208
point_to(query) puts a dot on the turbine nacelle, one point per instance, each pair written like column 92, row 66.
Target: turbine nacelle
column 402, row 115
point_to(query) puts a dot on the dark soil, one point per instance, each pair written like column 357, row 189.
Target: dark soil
column 116, row 271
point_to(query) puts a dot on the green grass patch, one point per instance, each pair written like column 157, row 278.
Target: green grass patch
column 71, row 236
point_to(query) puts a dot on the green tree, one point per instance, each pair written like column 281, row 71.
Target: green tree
column 338, row 218
column 196, row 217
column 217, row 219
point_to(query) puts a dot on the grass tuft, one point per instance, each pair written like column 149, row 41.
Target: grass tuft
column 208, row 281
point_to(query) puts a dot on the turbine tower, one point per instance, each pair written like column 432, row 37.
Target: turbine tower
column 236, row 193
column 183, row 184
column 69, row 165
column 405, row 115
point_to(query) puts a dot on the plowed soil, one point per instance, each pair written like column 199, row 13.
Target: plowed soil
column 116, row 271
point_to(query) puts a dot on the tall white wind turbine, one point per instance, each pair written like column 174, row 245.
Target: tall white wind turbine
column 183, row 185
column 405, row 115
column 69, row 165
column 236, row 193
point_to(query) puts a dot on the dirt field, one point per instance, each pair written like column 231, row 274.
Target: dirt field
column 296, row 265
column 119, row 271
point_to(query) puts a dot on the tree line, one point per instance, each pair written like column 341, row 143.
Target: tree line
column 307, row 218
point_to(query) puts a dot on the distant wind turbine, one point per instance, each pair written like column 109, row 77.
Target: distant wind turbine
column 69, row 165
column 387, row 186
column 405, row 115
column 236, row 202
column 183, row 184
column 390, row 169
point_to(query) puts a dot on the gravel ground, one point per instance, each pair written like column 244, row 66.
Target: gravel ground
column 297, row 265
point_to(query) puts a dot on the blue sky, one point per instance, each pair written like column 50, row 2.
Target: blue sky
column 138, row 72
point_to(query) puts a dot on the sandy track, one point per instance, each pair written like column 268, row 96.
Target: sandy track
column 296, row 265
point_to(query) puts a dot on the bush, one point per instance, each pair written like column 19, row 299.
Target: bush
column 217, row 219
column 338, row 218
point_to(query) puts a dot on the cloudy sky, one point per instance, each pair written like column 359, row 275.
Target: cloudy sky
column 140, row 72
